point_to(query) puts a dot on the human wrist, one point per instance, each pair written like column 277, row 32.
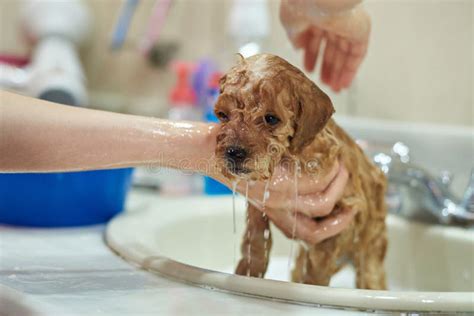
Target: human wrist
column 331, row 7
column 354, row 24
column 316, row 10
column 297, row 15
column 205, row 151
column 188, row 146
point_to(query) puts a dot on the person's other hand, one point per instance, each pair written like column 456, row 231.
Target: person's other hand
column 316, row 216
column 345, row 34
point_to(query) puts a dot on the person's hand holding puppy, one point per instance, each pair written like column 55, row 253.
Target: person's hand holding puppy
column 316, row 200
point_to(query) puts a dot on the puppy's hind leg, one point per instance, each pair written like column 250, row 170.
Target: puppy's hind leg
column 298, row 274
column 318, row 264
column 256, row 245
column 369, row 261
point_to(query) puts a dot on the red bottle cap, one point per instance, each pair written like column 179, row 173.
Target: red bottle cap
column 182, row 93
column 214, row 80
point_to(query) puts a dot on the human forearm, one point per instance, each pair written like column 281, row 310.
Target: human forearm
column 39, row 136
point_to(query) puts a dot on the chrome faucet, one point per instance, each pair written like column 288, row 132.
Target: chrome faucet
column 413, row 192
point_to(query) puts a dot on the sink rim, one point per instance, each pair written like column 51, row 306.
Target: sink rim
column 295, row 293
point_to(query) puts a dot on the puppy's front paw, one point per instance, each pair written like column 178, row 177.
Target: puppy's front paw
column 253, row 268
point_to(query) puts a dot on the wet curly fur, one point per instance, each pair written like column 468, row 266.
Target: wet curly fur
column 268, row 85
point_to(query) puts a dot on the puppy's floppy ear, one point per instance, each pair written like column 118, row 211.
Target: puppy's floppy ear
column 313, row 111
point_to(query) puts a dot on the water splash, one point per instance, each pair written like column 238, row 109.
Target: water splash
column 266, row 236
column 246, row 194
column 293, row 232
column 249, row 245
column 234, row 222
column 304, row 251
column 266, row 195
column 266, row 232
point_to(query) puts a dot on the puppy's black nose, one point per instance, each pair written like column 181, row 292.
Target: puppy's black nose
column 236, row 154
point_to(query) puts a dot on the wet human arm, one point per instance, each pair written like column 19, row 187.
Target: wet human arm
column 40, row 136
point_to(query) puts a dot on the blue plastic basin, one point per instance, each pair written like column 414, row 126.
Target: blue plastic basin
column 63, row 199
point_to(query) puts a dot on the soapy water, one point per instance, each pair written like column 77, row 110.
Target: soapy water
column 266, row 233
column 293, row 232
column 234, row 222
column 249, row 245
column 266, row 195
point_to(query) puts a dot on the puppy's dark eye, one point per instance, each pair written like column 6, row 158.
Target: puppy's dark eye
column 271, row 119
column 222, row 116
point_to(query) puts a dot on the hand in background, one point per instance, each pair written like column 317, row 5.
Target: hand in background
column 344, row 30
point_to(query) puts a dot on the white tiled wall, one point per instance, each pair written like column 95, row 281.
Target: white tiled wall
column 419, row 67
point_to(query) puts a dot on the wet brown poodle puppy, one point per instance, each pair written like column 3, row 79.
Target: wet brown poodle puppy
column 271, row 113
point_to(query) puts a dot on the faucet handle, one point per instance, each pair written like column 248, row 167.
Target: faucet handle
column 468, row 198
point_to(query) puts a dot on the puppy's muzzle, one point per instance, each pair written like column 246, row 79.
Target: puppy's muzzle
column 235, row 157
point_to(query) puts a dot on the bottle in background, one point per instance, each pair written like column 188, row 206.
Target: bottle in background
column 205, row 68
column 182, row 98
column 183, row 107
column 211, row 186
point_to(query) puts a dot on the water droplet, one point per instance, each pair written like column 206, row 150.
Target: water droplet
column 246, row 194
column 304, row 245
column 265, row 196
column 249, row 253
column 335, row 222
column 249, row 245
column 305, row 266
column 234, row 222
column 295, row 212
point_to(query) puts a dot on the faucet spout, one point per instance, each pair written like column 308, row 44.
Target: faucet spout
column 422, row 192
column 468, row 199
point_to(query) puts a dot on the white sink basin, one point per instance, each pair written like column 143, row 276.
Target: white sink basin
column 429, row 267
